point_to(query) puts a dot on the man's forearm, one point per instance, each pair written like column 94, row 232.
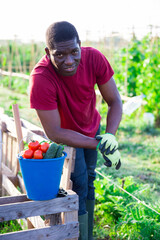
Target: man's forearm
column 72, row 138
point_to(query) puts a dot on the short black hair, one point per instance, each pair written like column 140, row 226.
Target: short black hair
column 59, row 32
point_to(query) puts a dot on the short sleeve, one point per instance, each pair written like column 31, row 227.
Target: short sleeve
column 103, row 69
column 42, row 92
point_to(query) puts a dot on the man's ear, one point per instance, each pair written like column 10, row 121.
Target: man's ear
column 79, row 43
column 47, row 52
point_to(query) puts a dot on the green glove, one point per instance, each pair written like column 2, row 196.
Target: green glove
column 112, row 159
column 107, row 143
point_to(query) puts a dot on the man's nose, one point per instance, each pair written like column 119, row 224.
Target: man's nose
column 69, row 60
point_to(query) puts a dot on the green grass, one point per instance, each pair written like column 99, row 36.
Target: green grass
column 9, row 97
column 139, row 148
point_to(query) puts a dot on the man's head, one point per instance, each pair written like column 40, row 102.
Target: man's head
column 63, row 47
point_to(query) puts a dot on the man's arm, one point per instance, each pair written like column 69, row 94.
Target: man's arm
column 51, row 120
column 51, row 123
column 111, row 96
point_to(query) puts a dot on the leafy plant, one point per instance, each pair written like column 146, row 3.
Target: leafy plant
column 9, row 226
column 119, row 216
column 138, row 72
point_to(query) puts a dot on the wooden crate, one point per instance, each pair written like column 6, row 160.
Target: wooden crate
column 20, row 207
column 61, row 214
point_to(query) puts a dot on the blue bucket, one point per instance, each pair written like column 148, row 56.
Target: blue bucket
column 42, row 177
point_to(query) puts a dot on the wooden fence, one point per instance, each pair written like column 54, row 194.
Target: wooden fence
column 60, row 215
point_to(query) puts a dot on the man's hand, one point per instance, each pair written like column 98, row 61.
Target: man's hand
column 108, row 146
column 107, row 143
column 112, row 160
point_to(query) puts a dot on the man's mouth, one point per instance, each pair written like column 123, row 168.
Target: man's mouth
column 70, row 69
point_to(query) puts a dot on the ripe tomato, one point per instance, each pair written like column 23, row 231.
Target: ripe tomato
column 34, row 145
column 38, row 154
column 44, row 147
column 28, row 153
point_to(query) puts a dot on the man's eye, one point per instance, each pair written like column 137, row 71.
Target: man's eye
column 75, row 51
column 59, row 55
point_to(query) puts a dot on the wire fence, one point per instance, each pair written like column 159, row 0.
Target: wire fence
column 131, row 195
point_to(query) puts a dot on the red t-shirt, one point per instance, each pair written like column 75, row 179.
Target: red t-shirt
column 74, row 96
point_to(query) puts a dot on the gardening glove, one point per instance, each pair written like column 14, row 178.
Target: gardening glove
column 112, row 160
column 107, row 143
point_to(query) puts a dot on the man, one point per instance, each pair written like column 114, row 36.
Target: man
column 62, row 92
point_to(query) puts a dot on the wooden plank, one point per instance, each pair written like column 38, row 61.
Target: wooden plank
column 9, row 150
column 5, row 148
column 27, row 134
column 21, row 183
column 68, row 167
column 29, row 224
column 36, row 208
column 9, row 186
column 14, row 155
column 57, row 232
column 13, row 199
column 69, row 151
column 53, row 219
column 33, row 128
column 69, row 217
column 7, row 172
column 18, row 127
column 36, row 222
column 11, row 189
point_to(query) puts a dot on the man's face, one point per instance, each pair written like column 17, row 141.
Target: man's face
column 65, row 57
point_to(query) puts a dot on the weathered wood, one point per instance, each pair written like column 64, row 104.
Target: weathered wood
column 5, row 148
column 14, row 155
column 36, row 208
column 36, row 222
column 9, row 186
column 53, row 219
column 14, row 199
column 11, row 189
column 7, row 171
column 27, row 134
column 70, row 217
column 70, row 184
column 68, row 168
column 21, row 183
column 33, row 128
column 10, row 150
column 57, row 232
column 18, row 126
column 29, row 224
